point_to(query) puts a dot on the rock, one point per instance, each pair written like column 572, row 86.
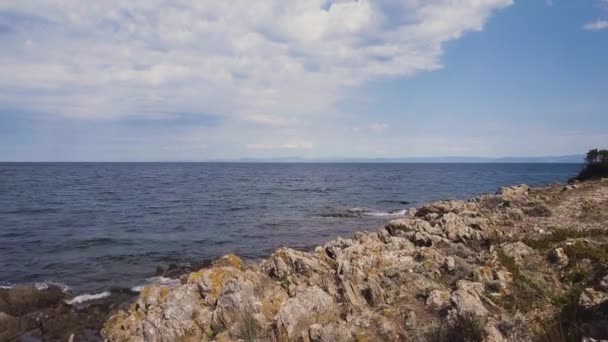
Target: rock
column 410, row 320
column 591, row 298
column 373, row 293
column 24, row 299
column 352, row 294
column 513, row 192
column 370, row 287
column 286, row 261
column 558, row 256
column 604, row 283
column 313, row 306
column 438, row 300
column 467, row 298
column 492, row 334
column 517, row 250
column 11, row 327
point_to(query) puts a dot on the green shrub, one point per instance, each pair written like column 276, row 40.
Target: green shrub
column 596, row 166
column 465, row 327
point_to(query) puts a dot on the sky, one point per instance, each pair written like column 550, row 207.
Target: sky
column 155, row 80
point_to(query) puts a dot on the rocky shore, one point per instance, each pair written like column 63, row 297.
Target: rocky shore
column 524, row 264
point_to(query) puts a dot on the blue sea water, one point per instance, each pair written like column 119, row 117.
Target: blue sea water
column 95, row 226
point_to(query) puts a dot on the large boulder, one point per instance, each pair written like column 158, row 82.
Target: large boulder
column 298, row 314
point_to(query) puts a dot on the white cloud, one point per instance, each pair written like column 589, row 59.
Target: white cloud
column 378, row 127
column 111, row 58
column 596, row 25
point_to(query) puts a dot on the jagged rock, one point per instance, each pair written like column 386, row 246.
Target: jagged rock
column 352, row 294
column 513, row 192
column 287, row 261
column 467, row 298
column 604, row 283
column 517, row 250
column 591, row 298
column 370, row 287
column 492, row 334
column 373, row 292
column 558, row 256
column 438, row 300
column 300, row 312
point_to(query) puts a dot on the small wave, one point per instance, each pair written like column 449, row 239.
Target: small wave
column 5, row 285
column 87, row 297
column 159, row 281
column 387, row 214
column 43, row 285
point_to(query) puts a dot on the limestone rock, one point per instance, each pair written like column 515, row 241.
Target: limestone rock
column 513, row 192
column 300, row 312
column 604, row 283
column 591, row 298
column 438, row 300
column 517, row 250
column 558, row 256
column 467, row 298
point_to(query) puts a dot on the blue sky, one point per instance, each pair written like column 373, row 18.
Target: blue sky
column 191, row 80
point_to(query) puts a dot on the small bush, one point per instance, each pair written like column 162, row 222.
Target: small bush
column 465, row 327
column 526, row 290
column 562, row 234
column 558, row 330
column 538, row 209
column 247, row 325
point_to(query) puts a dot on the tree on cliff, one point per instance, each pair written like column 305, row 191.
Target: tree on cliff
column 596, row 165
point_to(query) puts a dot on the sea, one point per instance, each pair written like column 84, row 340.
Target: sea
column 92, row 227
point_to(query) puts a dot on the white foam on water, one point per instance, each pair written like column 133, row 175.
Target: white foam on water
column 385, row 214
column 87, row 297
column 160, row 281
column 46, row 284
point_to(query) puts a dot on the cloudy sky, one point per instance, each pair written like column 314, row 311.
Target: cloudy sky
column 199, row 79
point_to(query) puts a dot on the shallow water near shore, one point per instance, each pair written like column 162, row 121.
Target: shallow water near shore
column 98, row 226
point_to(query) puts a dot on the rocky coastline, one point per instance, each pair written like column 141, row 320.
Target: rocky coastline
column 524, row 264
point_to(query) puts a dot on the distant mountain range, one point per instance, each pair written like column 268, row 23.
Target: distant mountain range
column 570, row 159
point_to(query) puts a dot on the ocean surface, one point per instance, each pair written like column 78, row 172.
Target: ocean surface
column 96, row 226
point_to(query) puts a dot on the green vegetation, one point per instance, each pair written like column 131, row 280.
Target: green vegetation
column 596, row 166
column 247, row 325
column 588, row 263
column 465, row 327
column 527, row 290
column 562, row 234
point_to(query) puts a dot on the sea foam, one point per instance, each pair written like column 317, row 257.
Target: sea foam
column 87, row 297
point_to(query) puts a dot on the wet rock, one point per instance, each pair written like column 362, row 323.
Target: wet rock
column 24, row 299
column 12, row 327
